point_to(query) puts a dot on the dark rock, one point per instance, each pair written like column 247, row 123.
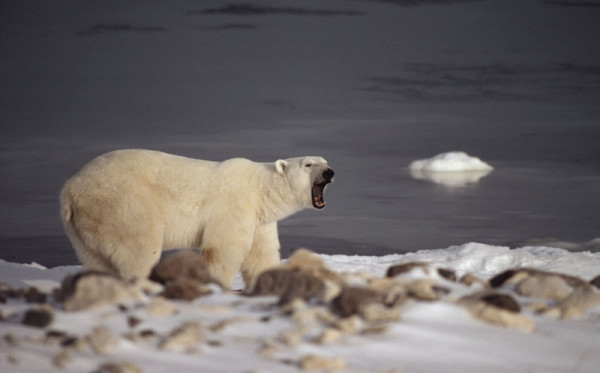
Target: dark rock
column 39, row 317
column 55, row 334
column 289, row 284
column 502, row 277
column 503, row 301
column 448, row 274
column 596, row 281
column 147, row 333
column 398, row 269
column 33, row 295
column 185, row 288
column 186, row 263
column 69, row 341
column 133, row 321
column 352, row 300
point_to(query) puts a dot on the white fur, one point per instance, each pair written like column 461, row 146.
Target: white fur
column 125, row 207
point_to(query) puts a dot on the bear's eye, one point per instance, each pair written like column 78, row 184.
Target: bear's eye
column 308, row 165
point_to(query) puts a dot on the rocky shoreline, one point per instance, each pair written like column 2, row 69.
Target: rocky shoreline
column 317, row 305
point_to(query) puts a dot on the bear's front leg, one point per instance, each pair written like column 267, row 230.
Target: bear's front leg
column 224, row 252
column 263, row 255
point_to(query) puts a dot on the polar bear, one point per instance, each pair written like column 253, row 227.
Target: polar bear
column 125, row 207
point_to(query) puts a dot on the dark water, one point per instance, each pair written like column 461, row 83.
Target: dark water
column 369, row 85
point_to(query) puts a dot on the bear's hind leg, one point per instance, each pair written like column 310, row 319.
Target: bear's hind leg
column 263, row 255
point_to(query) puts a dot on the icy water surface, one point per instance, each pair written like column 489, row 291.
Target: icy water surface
column 369, row 85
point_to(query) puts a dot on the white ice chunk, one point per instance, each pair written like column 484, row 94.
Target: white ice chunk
column 453, row 169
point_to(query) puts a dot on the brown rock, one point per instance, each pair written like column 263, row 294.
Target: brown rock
column 596, row 281
column 186, row 335
column 543, row 286
column 470, row 279
column 319, row 363
column 92, row 289
column 513, row 276
column 503, row 301
column 288, row 285
column 125, row 367
column 101, row 340
column 39, row 317
column 354, row 300
column 579, row 301
column 159, row 306
column 398, row 269
column 185, row 263
column 33, row 295
column 185, row 288
column 61, row 359
column 497, row 309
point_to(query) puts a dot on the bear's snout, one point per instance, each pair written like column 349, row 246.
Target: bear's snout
column 328, row 174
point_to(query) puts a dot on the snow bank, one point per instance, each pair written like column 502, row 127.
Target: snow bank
column 229, row 332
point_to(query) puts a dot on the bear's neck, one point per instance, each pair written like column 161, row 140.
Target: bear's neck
column 279, row 201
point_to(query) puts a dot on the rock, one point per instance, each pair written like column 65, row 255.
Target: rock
column 186, row 335
column 133, row 321
column 268, row 349
column 159, row 306
column 448, row 274
column 399, row 269
column 306, row 261
column 319, row 363
column 470, row 279
column 354, row 300
column 543, row 286
column 328, row 336
column 125, row 367
column 426, row 289
column 185, row 288
column 426, row 268
column 33, row 295
column 185, row 263
column 350, row 324
column 93, row 289
column 101, row 340
column 393, row 292
column 219, row 326
column 289, row 284
column 580, row 300
column 596, row 281
column 379, row 312
column 293, row 337
column 497, row 309
column 39, row 317
column 61, row 359
column 502, row 277
column 514, row 276
column 503, row 301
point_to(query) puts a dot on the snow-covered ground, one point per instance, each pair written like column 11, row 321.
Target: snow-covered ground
column 251, row 334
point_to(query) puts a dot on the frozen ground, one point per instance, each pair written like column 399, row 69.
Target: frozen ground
column 432, row 337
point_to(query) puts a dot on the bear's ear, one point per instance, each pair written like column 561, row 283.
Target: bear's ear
column 281, row 166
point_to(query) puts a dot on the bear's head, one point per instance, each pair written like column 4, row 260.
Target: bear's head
column 307, row 178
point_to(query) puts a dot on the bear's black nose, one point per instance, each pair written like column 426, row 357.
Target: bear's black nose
column 328, row 174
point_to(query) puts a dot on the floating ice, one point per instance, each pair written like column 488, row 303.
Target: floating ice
column 453, row 169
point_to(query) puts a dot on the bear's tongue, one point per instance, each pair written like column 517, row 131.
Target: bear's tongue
column 317, row 195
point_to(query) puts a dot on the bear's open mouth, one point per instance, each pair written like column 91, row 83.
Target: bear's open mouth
column 317, row 194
